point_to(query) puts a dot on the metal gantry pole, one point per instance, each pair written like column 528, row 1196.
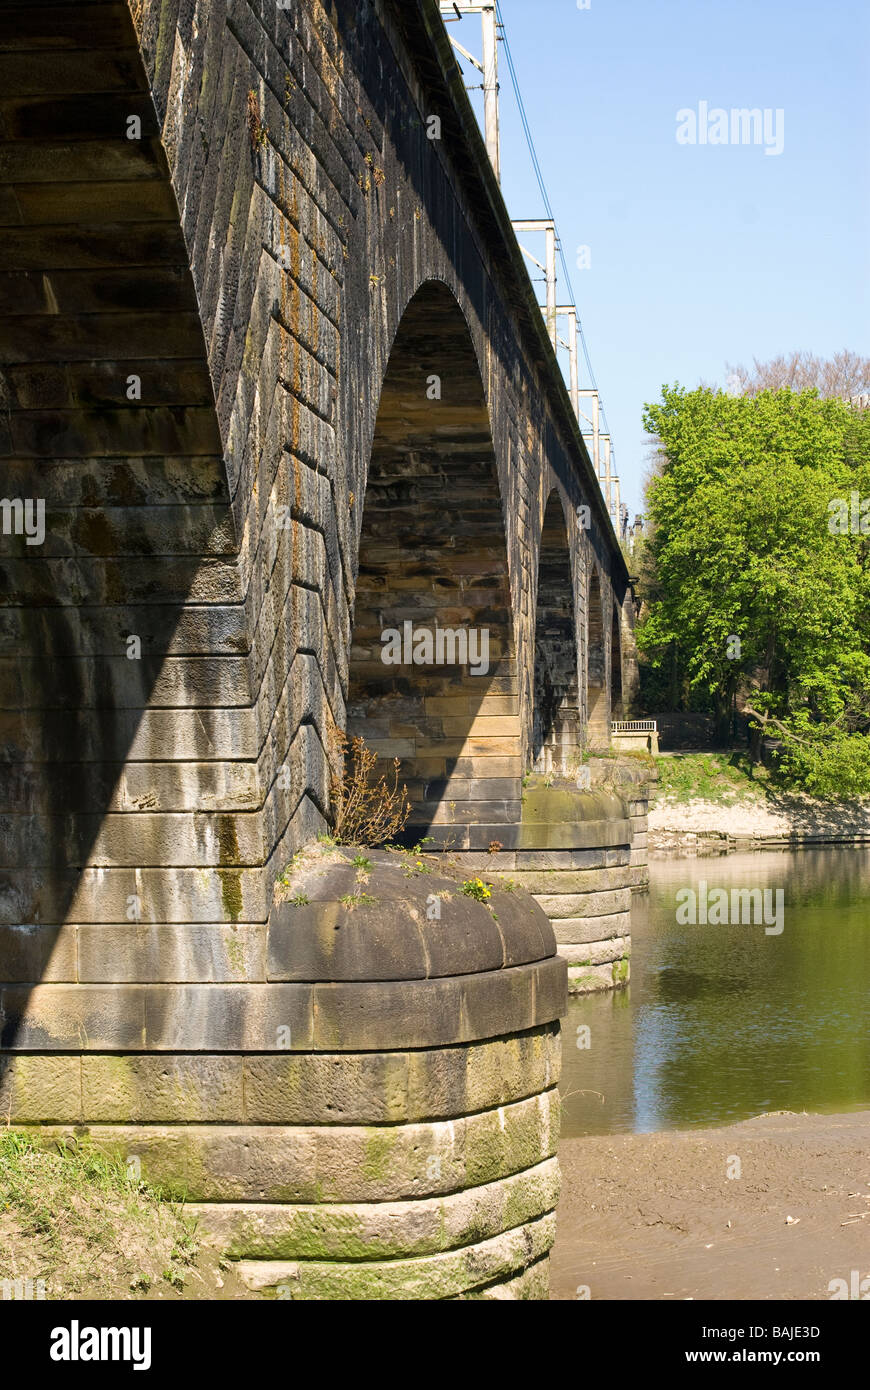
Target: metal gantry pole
column 601, row 457
column 589, row 393
column 548, row 226
column 551, row 281
column 457, row 9
column 490, row 86
column 569, row 311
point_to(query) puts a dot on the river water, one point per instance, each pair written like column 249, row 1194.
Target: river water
column 721, row 1022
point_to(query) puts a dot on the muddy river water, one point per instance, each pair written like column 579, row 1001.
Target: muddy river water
column 729, row 1018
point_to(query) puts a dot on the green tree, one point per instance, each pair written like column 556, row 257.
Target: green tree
column 756, row 593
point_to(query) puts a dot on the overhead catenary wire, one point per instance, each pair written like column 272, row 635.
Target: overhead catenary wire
column 548, row 206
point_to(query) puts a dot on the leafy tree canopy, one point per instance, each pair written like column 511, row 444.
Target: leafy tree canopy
column 759, row 558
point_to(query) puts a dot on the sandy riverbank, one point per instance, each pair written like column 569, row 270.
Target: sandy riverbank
column 780, row 818
column 647, row 1215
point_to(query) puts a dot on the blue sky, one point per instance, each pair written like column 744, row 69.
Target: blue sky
column 704, row 254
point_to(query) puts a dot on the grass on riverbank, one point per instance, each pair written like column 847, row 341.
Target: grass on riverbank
column 75, row 1218
column 727, row 778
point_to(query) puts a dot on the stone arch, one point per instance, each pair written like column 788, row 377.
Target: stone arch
column 616, row 700
column 596, row 663
column 433, row 677
column 109, row 421
column 556, row 714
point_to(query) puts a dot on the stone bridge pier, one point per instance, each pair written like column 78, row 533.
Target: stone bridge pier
column 286, row 451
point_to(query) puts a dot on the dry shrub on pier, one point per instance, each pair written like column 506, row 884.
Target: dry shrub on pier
column 367, row 811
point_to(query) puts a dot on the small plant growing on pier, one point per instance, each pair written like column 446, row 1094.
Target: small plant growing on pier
column 367, row 811
column 285, row 879
column 417, row 866
column 360, row 861
column 300, row 900
column 352, row 900
column 477, row 889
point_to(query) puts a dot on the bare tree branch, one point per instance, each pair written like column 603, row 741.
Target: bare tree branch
column 844, row 375
column 765, row 719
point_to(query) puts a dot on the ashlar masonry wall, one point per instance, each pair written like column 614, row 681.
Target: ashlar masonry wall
column 214, row 217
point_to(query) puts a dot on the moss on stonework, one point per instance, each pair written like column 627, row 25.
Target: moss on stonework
column 190, row 1179
column 117, row 1077
column 326, row 1235
column 379, row 1146
column 348, row 1284
column 231, row 879
column 236, row 955
column 231, row 893
column 518, row 1204
column 594, row 980
column 620, row 971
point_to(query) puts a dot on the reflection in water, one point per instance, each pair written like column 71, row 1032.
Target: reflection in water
column 723, row 1022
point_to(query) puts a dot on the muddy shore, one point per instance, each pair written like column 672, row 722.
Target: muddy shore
column 656, row 1216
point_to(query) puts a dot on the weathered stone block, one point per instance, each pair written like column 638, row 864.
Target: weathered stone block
column 278, row 1163
column 429, row 1013
column 30, row 954
column 595, row 952
column 383, row 1230
column 430, row 1277
column 593, row 904
column 579, row 929
column 137, row 1090
column 40, row 1089
column 587, row 979
column 69, row 1018
column 191, row 952
column 565, row 835
column 557, row 881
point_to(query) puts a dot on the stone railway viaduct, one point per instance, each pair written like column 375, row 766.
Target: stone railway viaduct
column 270, row 357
